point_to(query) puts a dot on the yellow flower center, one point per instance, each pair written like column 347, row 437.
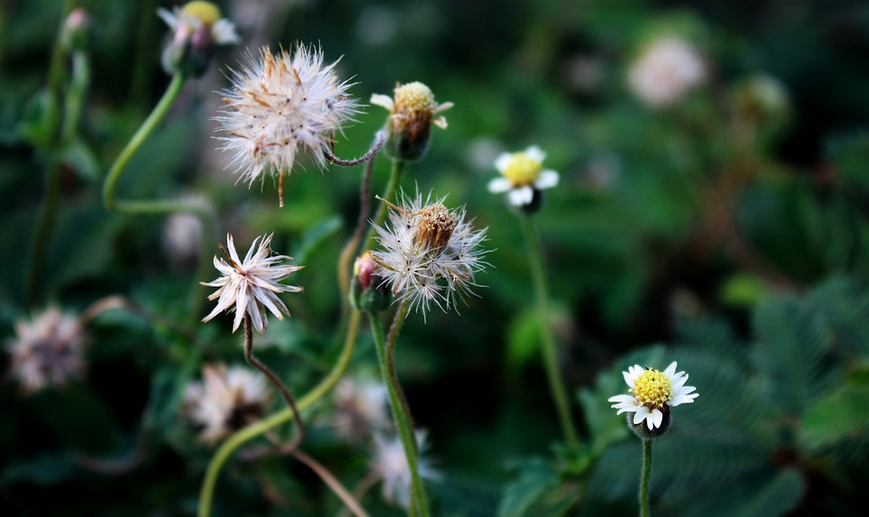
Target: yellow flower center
column 652, row 389
column 523, row 169
column 206, row 12
column 414, row 97
column 435, row 226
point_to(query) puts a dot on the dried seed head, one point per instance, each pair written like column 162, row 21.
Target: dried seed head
column 435, row 227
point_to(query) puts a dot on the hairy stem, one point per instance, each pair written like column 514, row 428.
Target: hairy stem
column 550, row 362
column 379, row 140
column 645, row 476
column 248, row 355
column 400, row 408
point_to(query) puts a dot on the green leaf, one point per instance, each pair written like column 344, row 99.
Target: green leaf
column 535, row 479
column 316, row 237
column 523, row 339
column 837, row 425
column 766, row 494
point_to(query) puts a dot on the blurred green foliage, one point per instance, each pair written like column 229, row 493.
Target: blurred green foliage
column 730, row 230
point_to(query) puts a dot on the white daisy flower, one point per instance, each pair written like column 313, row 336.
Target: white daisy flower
column 48, row 351
column 389, row 463
column 665, row 71
column 225, row 400
column 193, row 16
column 653, row 393
column 430, row 253
column 197, row 28
column 523, row 176
column 280, row 106
column 249, row 286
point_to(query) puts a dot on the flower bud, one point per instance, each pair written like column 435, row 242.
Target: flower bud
column 411, row 116
column 76, row 35
column 367, row 291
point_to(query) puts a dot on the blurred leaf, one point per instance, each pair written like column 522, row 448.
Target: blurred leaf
column 535, row 478
column 316, row 237
column 46, row 469
column 523, row 338
column 742, row 290
column 82, row 160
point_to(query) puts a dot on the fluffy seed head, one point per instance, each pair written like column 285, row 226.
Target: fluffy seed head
column 225, row 400
column 429, row 253
column 47, row 351
column 282, row 105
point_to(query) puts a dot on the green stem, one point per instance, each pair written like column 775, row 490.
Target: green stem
column 550, row 363
column 388, row 195
column 400, row 408
column 44, row 226
column 645, row 476
column 48, row 211
column 148, row 127
column 75, row 96
column 206, row 495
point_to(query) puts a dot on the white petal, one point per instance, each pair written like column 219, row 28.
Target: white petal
column 536, row 153
column 548, row 178
column 384, row 101
column 503, row 161
column 168, row 17
column 521, row 196
column 224, row 33
column 671, row 370
column 500, row 185
column 641, row 414
column 656, row 418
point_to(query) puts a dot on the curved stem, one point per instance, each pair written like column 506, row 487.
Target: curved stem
column 351, row 248
column 151, row 123
column 400, row 408
column 379, row 140
column 645, row 476
column 261, row 427
column 248, row 355
column 550, row 363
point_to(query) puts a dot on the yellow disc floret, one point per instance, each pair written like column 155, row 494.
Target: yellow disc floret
column 206, row 12
column 414, row 97
column 522, row 169
column 652, row 389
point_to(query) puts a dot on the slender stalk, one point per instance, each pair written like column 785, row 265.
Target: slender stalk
column 351, row 248
column 142, row 134
column 48, row 210
column 388, row 195
column 206, row 495
column 645, row 476
column 400, row 409
column 333, row 483
column 248, row 355
column 550, row 363
column 379, row 140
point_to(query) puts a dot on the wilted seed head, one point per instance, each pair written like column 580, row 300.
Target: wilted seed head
column 435, row 227
column 48, row 351
column 280, row 107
